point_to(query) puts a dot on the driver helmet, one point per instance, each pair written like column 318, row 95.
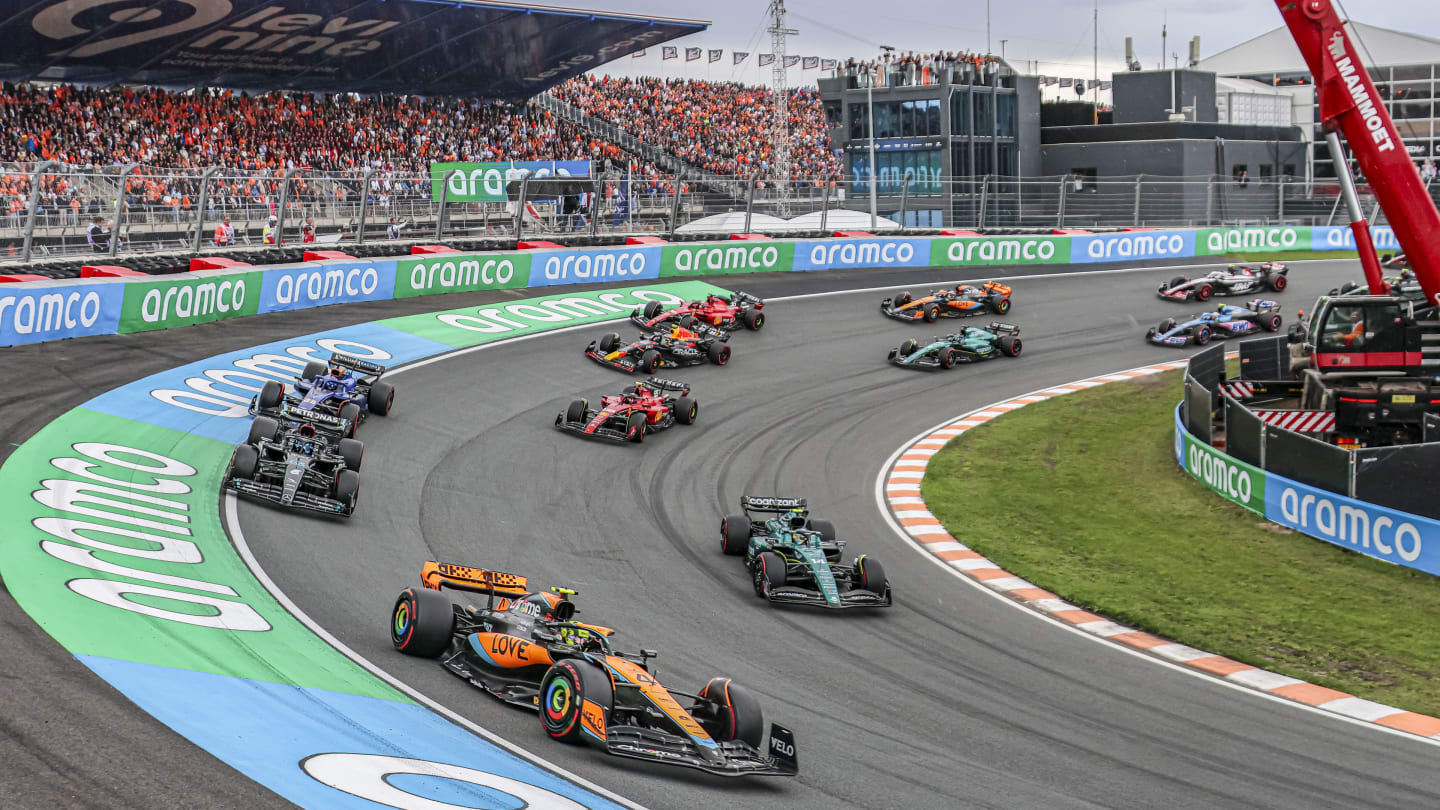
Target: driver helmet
column 798, row 518
column 679, row 332
column 1220, row 308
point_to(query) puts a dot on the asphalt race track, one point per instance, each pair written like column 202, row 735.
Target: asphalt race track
column 950, row 699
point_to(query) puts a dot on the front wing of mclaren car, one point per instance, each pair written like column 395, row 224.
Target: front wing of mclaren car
column 720, row 758
column 795, row 595
column 888, row 308
column 617, row 359
column 275, row 493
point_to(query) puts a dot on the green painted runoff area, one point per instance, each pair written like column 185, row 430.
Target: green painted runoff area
column 1082, row 496
column 179, row 507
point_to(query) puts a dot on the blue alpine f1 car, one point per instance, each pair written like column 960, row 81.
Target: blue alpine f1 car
column 1223, row 322
column 346, row 388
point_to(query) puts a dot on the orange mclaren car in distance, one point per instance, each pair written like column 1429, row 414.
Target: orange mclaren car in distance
column 961, row 301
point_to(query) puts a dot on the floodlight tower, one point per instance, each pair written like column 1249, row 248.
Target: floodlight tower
column 780, row 130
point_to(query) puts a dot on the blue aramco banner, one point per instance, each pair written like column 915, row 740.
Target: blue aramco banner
column 1120, row 247
column 490, row 51
column 831, row 254
column 59, row 310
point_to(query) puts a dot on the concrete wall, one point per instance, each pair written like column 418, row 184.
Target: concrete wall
column 1144, row 95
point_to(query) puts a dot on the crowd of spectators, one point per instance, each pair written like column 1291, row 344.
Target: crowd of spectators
column 902, row 69
column 721, row 127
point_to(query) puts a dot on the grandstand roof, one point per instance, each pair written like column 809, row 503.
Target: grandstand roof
column 1275, row 52
column 485, row 48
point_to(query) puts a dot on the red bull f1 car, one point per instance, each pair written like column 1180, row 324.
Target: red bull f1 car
column 722, row 312
column 1236, row 279
column 795, row 559
column 645, row 407
column 668, row 347
column 527, row 649
column 961, row 302
column 1223, row 322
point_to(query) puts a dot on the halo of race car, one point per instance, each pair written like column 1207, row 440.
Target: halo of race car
column 525, row 647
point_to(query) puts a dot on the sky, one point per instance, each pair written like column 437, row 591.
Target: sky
column 1049, row 37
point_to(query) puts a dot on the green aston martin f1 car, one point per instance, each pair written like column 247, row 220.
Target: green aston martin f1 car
column 795, row 559
column 969, row 345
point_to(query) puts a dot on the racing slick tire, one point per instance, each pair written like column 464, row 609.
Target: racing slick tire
column 563, row 693
column 729, row 712
column 908, row 347
column 718, row 353
column 263, row 427
column 652, row 309
column 769, row 573
column 903, row 298
column 1010, row 346
column 635, row 426
column 272, row 393
column 869, row 575
column 353, row 451
column 1203, row 292
column 576, row 411
column 753, row 319
column 688, row 322
column 1278, row 283
column 347, row 488
column 1202, row 335
column 609, row 341
column 824, row 528
column 998, row 303
column 244, row 462
column 351, row 413
column 422, row 622
column 382, row 396
column 649, row 361
column 734, row 534
column 1272, row 323
column 1176, row 282
column 1165, row 326
column 932, row 313
column 947, row 358
column 686, row 409
column 314, row 369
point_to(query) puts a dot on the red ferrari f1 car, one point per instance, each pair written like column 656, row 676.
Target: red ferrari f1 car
column 722, row 312
column 645, row 407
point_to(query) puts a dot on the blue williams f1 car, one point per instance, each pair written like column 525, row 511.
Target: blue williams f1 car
column 346, row 388
column 1224, row 322
column 969, row 345
column 795, row 559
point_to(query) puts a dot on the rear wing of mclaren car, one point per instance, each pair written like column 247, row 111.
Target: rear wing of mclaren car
column 437, row 575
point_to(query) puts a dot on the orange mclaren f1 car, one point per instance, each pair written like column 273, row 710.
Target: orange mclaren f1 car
column 527, row 649
column 961, row 302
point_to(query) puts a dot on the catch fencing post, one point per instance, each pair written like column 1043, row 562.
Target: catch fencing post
column 1210, row 202
column 1060, row 210
column 1280, row 201
column 444, row 195
column 675, row 204
column 204, row 198
column 1139, row 181
column 284, row 199
column 364, row 204
column 904, row 201
column 599, row 187
column 824, row 207
column 750, row 198
column 520, row 206
column 984, row 199
column 120, row 207
column 35, row 205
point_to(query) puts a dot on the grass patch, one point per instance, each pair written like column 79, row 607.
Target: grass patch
column 1081, row 495
column 1292, row 256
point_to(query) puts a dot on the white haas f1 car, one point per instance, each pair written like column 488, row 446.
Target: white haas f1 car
column 1236, row 279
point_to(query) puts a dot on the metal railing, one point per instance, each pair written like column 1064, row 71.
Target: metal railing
column 47, row 210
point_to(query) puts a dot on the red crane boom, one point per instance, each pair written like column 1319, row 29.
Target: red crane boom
column 1350, row 104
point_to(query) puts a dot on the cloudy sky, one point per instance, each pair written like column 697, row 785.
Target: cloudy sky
column 1051, row 37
